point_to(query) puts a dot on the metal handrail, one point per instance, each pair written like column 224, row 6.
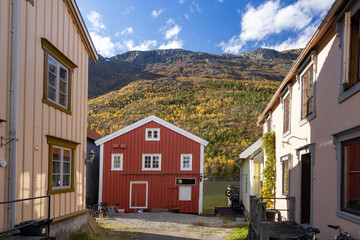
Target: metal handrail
column 25, row 225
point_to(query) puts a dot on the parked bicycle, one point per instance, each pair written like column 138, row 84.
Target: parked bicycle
column 342, row 234
column 94, row 209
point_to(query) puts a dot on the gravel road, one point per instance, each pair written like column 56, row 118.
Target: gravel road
column 166, row 225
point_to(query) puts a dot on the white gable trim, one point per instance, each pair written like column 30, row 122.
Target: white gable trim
column 146, row 120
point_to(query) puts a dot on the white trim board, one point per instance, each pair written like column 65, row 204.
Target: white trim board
column 147, row 120
column 147, row 191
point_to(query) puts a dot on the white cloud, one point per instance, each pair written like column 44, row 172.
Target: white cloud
column 186, row 16
column 195, row 7
column 272, row 17
column 126, row 31
column 103, row 44
column 172, row 44
column 172, row 32
column 95, row 20
column 220, row 1
column 128, row 10
column 155, row 13
column 294, row 43
column 181, row 1
column 143, row 46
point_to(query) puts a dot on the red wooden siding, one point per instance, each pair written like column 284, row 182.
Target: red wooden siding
column 162, row 190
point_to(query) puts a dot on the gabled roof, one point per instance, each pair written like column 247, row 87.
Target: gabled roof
column 147, row 120
column 251, row 150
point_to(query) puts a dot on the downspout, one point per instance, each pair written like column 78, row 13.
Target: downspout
column 13, row 108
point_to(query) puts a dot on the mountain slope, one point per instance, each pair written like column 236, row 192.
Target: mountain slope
column 113, row 73
column 216, row 97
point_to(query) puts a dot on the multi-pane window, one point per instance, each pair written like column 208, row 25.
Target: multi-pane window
column 61, row 167
column 186, row 162
column 117, row 161
column 151, row 162
column 57, row 84
column 350, row 190
column 285, row 174
column 307, row 92
column 58, row 69
column 152, row 134
column 286, row 121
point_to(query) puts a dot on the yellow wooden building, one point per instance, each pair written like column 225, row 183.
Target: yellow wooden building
column 45, row 49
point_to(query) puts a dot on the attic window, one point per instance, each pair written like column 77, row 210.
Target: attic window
column 152, row 134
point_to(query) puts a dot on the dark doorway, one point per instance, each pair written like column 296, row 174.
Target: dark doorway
column 305, row 188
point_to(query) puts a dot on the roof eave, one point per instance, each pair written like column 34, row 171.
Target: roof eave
column 83, row 30
column 321, row 30
column 146, row 120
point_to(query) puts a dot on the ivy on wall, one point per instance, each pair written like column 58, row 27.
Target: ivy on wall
column 269, row 173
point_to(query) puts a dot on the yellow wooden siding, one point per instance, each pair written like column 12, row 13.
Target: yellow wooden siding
column 50, row 19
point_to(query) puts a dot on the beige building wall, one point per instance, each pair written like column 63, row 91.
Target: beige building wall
column 54, row 21
column 316, row 136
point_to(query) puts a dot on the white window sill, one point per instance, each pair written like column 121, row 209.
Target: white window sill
column 348, row 93
column 116, row 169
column 149, row 169
column 348, row 216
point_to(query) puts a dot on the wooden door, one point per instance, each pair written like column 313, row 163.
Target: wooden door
column 138, row 194
column 305, row 188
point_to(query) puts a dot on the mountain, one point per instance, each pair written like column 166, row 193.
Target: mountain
column 113, row 73
column 216, row 97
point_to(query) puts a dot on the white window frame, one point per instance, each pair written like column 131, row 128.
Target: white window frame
column 151, row 168
column 147, row 138
column 62, row 167
column 185, row 188
column 182, row 162
column 113, row 155
column 57, row 83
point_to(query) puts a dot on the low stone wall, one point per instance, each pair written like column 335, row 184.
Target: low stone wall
column 62, row 228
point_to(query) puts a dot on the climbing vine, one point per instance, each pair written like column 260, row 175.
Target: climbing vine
column 269, row 173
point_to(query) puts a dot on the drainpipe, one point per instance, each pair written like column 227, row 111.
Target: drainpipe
column 13, row 108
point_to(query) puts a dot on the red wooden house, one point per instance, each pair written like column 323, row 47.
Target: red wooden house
column 152, row 164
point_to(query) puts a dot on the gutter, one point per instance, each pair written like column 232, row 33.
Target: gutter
column 13, row 108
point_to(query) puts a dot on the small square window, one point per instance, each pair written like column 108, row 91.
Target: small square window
column 186, row 162
column 117, row 162
column 152, row 134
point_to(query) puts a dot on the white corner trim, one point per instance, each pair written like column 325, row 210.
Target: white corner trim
column 201, row 185
column 147, row 120
column 101, row 166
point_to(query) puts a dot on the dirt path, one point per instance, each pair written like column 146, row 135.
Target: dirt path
column 166, row 225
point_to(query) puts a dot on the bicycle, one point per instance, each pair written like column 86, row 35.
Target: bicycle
column 94, row 210
column 342, row 234
column 310, row 234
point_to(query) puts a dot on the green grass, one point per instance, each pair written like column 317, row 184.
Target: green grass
column 214, row 195
column 240, row 233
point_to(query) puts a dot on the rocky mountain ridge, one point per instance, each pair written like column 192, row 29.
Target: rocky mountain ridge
column 113, row 73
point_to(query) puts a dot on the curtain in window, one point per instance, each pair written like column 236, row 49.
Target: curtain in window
column 352, row 176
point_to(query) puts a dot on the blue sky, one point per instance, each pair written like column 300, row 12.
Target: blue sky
column 213, row 26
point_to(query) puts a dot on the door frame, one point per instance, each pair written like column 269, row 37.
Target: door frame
column 309, row 149
column 147, row 193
